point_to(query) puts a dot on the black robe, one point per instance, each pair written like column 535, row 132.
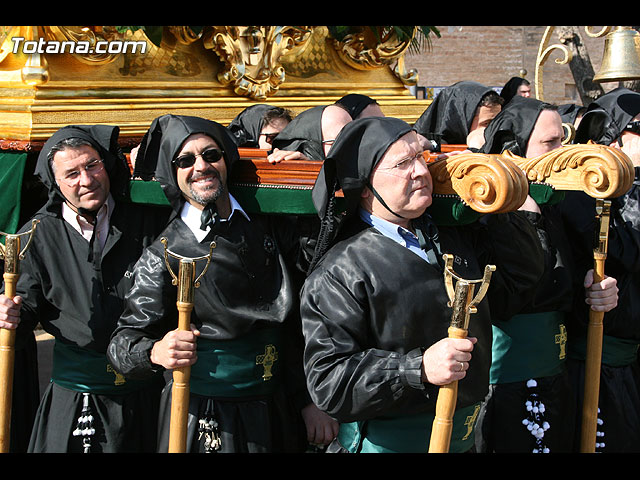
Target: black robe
column 371, row 307
column 77, row 298
column 247, row 294
column 619, row 401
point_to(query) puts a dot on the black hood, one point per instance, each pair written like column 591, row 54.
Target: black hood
column 104, row 139
column 303, row 134
column 355, row 153
column 247, row 125
column 606, row 118
column 512, row 127
column 510, row 89
column 448, row 118
column 163, row 141
column 355, row 103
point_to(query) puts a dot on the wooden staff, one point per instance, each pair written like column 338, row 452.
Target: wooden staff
column 595, row 330
column 463, row 303
column 187, row 283
column 11, row 254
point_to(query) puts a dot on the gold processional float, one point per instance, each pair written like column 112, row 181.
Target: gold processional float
column 222, row 70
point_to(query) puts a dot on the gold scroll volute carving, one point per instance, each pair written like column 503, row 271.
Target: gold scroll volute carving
column 251, row 56
column 486, row 183
column 364, row 51
column 598, row 170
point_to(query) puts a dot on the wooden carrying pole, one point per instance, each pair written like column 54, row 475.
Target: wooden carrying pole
column 463, row 303
column 186, row 282
column 12, row 255
column 595, row 330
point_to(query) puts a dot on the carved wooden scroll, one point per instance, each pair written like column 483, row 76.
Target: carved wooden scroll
column 598, row 170
column 486, row 183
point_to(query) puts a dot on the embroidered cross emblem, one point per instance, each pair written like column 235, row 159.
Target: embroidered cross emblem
column 561, row 339
column 267, row 360
column 470, row 421
column 119, row 377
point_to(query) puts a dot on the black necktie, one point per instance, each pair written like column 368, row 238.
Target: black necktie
column 208, row 216
column 428, row 236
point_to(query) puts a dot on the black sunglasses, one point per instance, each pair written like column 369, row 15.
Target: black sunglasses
column 210, row 156
column 633, row 127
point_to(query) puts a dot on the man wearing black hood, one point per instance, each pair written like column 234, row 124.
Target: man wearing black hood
column 246, row 301
column 612, row 120
column 528, row 362
column 458, row 115
column 73, row 282
column 374, row 308
column 256, row 126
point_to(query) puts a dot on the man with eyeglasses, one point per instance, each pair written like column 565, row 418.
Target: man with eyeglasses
column 245, row 308
column 612, row 120
column 73, row 280
column 375, row 309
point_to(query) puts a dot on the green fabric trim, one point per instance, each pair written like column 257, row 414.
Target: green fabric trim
column 148, row 192
column 528, row 346
column 407, row 434
column 234, row 368
column 616, row 352
column 274, row 199
column 447, row 211
column 11, row 176
column 545, row 194
column 83, row 370
column 278, row 199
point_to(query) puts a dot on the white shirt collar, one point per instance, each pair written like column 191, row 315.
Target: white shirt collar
column 80, row 224
column 190, row 215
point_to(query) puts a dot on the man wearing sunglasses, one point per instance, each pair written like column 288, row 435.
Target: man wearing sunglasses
column 613, row 120
column 74, row 277
column 245, row 307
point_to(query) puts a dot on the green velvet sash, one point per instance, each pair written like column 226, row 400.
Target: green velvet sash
column 407, row 434
column 616, row 352
column 83, row 370
column 247, row 366
column 528, row 346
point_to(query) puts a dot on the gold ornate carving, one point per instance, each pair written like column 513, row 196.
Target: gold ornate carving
column 363, row 51
column 486, row 183
column 251, row 56
column 598, row 170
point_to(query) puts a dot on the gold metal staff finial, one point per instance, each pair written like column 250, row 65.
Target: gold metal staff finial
column 11, row 253
column 186, row 282
column 463, row 302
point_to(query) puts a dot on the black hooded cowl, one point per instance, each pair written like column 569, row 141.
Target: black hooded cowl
column 164, row 140
column 355, row 103
column 104, row 139
column 512, row 127
column 449, row 117
column 605, row 119
column 510, row 89
column 303, row 134
column 247, row 125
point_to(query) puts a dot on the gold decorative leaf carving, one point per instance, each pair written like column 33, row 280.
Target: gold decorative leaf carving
column 598, row 170
column 251, row 56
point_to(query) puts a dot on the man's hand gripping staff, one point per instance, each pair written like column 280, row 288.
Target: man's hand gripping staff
column 11, row 252
column 463, row 303
column 186, row 282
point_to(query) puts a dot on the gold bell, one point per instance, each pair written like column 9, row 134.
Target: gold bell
column 621, row 57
